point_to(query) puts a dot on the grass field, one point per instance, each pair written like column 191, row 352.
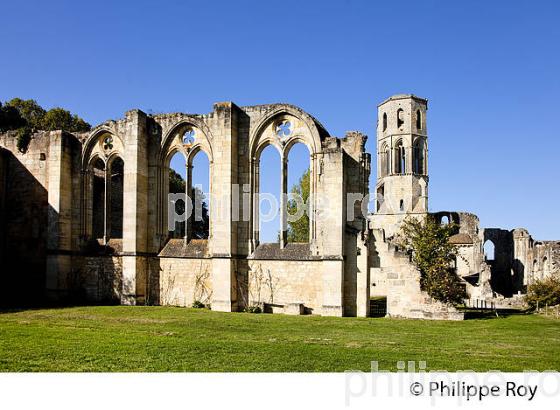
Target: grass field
column 176, row 339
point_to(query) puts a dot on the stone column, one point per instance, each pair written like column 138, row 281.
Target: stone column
column 223, row 244
column 189, row 197
column 331, row 226
column 59, row 230
column 107, row 205
column 135, row 213
column 283, row 203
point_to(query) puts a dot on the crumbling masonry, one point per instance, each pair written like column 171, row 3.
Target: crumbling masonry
column 84, row 217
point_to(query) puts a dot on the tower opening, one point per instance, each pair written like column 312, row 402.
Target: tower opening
column 400, row 117
column 419, row 157
column 385, row 160
column 400, row 158
column 418, row 119
column 489, row 250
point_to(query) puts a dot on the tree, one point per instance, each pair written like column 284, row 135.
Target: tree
column 434, row 256
column 29, row 110
column 10, row 118
column 26, row 116
column 61, row 119
column 298, row 231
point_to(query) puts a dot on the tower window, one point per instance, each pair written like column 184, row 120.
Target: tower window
column 418, row 157
column 400, row 117
column 400, row 160
column 418, row 119
column 385, row 160
column 384, row 121
column 489, row 250
column 401, row 206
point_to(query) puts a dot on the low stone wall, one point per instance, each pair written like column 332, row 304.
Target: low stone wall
column 100, row 279
column 283, row 282
column 183, row 280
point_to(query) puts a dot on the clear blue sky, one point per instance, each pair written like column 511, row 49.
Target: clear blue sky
column 491, row 71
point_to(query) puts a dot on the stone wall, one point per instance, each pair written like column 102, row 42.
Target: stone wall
column 25, row 217
column 183, row 281
column 100, row 279
column 3, row 169
column 282, row 282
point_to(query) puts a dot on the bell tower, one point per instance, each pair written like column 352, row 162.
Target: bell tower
column 402, row 156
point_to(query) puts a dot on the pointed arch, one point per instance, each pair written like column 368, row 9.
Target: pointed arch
column 400, row 157
column 385, row 160
column 419, row 157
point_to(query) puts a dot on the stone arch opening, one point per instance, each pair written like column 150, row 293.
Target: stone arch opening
column 299, row 193
column 489, row 250
column 199, row 193
column 418, row 119
column 385, row 160
column 400, row 157
column 98, row 199
column 419, row 157
column 400, row 118
column 116, row 171
column 269, row 174
column 177, row 171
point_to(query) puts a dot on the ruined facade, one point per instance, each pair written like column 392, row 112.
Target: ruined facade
column 85, row 217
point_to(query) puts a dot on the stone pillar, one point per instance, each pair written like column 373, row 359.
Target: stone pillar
column 59, row 230
column 331, row 226
column 223, row 244
column 135, row 213
column 283, row 203
column 107, row 205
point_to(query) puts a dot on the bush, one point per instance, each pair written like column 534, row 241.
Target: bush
column 544, row 292
column 197, row 304
column 253, row 309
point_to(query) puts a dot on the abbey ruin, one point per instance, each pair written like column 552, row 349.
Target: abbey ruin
column 84, row 217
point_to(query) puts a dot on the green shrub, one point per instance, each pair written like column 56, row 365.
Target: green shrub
column 253, row 309
column 197, row 304
column 544, row 292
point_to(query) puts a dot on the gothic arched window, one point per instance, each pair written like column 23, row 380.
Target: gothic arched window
column 400, row 117
column 400, row 158
column 418, row 157
column 418, row 119
column 385, row 160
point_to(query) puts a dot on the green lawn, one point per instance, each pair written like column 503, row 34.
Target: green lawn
column 176, row 339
